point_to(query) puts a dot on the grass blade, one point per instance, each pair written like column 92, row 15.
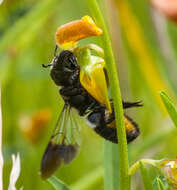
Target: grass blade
column 146, row 178
column 116, row 95
column 92, row 180
column 57, row 184
column 169, row 107
column 160, row 184
column 111, row 162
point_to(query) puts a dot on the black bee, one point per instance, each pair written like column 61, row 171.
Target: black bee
column 64, row 141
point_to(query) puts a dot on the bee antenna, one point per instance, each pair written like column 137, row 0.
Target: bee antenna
column 55, row 51
column 46, row 66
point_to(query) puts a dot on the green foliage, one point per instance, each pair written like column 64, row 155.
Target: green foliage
column 160, row 184
column 146, row 178
column 27, row 30
column 112, row 176
column 57, row 184
column 170, row 107
column 116, row 95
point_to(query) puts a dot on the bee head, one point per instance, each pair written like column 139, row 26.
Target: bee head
column 64, row 66
column 65, row 61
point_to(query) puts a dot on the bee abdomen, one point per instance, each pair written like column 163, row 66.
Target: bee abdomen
column 111, row 133
column 108, row 130
column 108, row 133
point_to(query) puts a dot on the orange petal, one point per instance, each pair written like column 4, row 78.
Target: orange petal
column 67, row 35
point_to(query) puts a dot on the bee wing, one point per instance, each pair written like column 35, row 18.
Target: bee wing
column 64, row 142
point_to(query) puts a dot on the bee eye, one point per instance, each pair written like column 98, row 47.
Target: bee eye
column 69, row 61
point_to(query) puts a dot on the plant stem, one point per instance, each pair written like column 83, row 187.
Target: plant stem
column 115, row 90
column 111, row 161
column 1, row 157
column 136, row 165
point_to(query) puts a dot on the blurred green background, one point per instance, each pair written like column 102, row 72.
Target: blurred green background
column 145, row 66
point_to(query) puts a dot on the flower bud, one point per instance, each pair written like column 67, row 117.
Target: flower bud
column 169, row 170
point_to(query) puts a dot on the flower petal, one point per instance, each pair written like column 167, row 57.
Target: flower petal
column 69, row 34
column 92, row 78
column 15, row 172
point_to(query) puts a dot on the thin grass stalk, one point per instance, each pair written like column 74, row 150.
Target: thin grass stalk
column 166, row 48
column 89, row 181
column 138, row 45
column 115, row 90
column 111, row 156
column 1, row 157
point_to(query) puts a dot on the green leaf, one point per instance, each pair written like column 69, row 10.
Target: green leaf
column 57, row 184
column 160, row 184
column 116, row 95
column 146, row 178
column 111, row 165
column 92, row 180
column 169, row 107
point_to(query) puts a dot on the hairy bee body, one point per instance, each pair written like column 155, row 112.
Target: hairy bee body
column 63, row 144
column 65, row 72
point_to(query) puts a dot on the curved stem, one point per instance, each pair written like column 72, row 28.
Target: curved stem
column 136, row 165
column 115, row 90
column 1, row 157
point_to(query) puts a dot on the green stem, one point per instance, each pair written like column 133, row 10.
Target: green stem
column 115, row 90
column 136, row 165
column 111, row 161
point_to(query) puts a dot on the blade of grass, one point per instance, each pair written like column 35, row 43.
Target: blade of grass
column 160, row 184
column 146, row 178
column 57, row 184
column 111, row 156
column 169, row 107
column 138, row 45
column 115, row 90
column 89, row 181
column 1, row 157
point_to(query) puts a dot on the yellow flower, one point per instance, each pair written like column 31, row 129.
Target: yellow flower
column 92, row 78
column 69, row 34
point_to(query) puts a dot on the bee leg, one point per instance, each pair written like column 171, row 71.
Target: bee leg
column 132, row 104
column 69, row 91
column 85, row 108
column 46, row 66
column 110, row 119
